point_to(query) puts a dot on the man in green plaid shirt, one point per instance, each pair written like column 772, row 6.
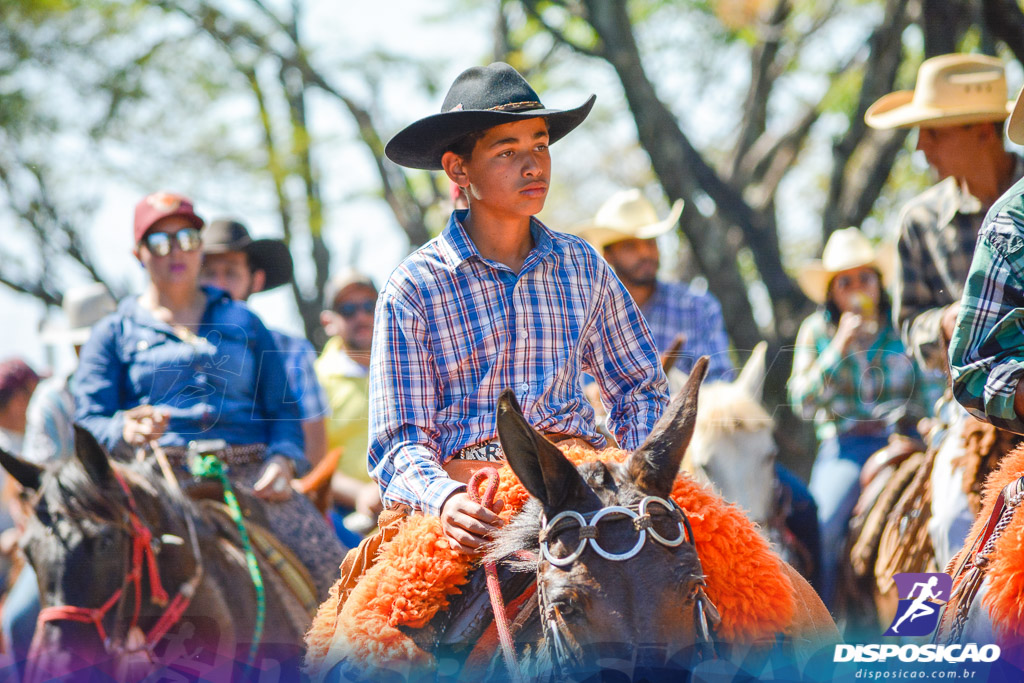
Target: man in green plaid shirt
column 986, row 353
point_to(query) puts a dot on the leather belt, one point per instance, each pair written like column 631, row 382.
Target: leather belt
column 246, row 454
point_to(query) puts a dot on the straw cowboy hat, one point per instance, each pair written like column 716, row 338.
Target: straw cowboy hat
column 83, row 307
column 627, row 215
column 956, row 89
column 845, row 249
column 271, row 256
column 480, row 98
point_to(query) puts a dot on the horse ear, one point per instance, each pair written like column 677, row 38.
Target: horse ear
column 26, row 473
column 655, row 464
column 92, row 456
column 751, row 378
column 544, row 471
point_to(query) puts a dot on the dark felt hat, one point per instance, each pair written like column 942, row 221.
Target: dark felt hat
column 270, row 256
column 480, row 98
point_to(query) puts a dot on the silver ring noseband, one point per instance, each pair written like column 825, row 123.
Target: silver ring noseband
column 640, row 515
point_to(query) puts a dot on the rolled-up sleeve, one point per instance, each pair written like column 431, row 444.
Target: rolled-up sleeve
column 987, row 350
column 624, row 360
column 98, row 385
column 404, row 456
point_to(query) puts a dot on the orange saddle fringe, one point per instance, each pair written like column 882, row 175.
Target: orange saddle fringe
column 1005, row 571
column 417, row 572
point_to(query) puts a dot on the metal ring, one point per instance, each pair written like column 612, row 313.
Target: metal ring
column 561, row 562
column 658, row 537
column 615, row 557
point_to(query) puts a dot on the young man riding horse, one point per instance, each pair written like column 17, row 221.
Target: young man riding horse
column 499, row 316
column 497, row 300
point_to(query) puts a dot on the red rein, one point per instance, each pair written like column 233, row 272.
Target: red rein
column 493, row 587
column 142, row 554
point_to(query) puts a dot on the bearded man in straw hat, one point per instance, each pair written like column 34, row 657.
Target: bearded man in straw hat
column 625, row 231
column 958, row 106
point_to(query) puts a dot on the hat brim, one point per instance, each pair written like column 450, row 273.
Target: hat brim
column 897, row 110
column 814, row 278
column 422, row 143
column 600, row 236
column 274, row 259
column 1015, row 126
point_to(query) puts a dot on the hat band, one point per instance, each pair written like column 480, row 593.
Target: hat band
column 517, row 106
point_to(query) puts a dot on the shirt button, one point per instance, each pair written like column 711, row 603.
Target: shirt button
column 525, row 334
column 524, row 386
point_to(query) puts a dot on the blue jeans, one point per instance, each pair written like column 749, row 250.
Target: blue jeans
column 835, row 485
column 802, row 519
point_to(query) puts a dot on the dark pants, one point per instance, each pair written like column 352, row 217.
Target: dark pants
column 802, row 519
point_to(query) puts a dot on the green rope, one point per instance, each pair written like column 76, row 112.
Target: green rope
column 210, row 467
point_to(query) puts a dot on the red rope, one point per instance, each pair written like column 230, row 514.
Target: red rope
column 493, row 587
column 142, row 554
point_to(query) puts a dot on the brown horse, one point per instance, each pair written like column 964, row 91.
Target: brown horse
column 133, row 575
column 613, row 566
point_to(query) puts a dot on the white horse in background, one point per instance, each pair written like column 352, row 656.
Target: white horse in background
column 734, row 451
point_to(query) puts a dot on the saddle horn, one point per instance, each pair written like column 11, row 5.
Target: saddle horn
column 655, row 464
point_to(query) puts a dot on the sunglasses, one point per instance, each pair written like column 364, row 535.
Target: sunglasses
column 349, row 309
column 865, row 278
column 161, row 243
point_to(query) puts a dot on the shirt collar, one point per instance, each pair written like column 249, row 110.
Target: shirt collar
column 953, row 199
column 335, row 361
column 456, row 247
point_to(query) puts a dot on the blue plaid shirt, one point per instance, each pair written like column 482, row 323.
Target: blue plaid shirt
column 673, row 309
column 454, row 329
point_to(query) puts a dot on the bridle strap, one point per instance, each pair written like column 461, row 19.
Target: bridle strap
column 142, row 555
column 565, row 649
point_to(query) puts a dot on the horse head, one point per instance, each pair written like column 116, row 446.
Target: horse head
column 617, row 564
column 106, row 541
column 733, row 448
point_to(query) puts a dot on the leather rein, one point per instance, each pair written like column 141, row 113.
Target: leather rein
column 143, row 559
column 566, row 650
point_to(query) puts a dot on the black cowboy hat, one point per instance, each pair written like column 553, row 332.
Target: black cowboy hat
column 480, row 98
column 270, row 256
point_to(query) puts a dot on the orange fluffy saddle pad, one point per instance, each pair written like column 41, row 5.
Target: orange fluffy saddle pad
column 417, row 571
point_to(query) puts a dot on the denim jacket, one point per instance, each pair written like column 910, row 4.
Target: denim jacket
column 228, row 382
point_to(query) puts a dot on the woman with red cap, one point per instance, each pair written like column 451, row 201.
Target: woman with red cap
column 185, row 366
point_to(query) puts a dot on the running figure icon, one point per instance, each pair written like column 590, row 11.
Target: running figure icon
column 920, row 606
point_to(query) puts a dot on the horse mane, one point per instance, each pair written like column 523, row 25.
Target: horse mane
column 84, row 499
column 726, row 408
column 522, row 533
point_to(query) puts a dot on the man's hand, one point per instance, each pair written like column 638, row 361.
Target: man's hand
column 469, row 525
column 143, row 424
column 275, row 481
